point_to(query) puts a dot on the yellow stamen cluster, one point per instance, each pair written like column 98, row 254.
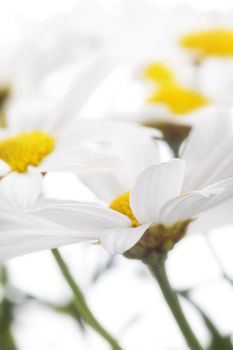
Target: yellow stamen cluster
column 215, row 42
column 26, row 149
column 179, row 99
column 121, row 204
column 157, row 72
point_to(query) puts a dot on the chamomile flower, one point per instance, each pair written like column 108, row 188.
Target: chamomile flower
column 205, row 185
column 36, row 141
column 160, row 93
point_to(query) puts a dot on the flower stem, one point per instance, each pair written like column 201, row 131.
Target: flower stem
column 80, row 302
column 157, row 267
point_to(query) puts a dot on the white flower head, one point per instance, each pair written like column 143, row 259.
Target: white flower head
column 39, row 140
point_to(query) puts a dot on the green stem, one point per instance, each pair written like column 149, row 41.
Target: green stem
column 80, row 302
column 157, row 267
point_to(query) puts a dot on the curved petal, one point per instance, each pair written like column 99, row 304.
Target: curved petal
column 119, row 240
column 154, row 187
column 134, row 157
column 89, row 218
column 215, row 217
column 131, row 159
column 105, row 131
column 193, row 203
column 70, row 160
column 21, row 190
column 217, row 126
column 24, row 233
column 83, row 86
column 24, row 241
column 28, row 114
column 208, row 151
column 106, row 185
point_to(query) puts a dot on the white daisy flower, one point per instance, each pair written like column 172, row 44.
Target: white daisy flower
column 176, row 90
column 36, row 141
column 208, row 164
column 169, row 90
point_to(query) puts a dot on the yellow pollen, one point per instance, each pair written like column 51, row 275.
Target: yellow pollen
column 215, row 42
column 121, row 205
column 26, row 149
column 179, row 99
column 157, row 72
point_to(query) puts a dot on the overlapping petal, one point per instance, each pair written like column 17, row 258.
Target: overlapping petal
column 131, row 158
column 154, row 187
column 119, row 240
column 192, row 204
column 91, row 219
column 50, row 224
column 207, row 151
column 23, row 233
column 215, row 217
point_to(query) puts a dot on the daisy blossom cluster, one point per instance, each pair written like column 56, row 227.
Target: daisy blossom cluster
column 159, row 165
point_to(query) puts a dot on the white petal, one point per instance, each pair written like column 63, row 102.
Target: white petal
column 21, row 189
column 30, row 114
column 91, row 219
column 106, row 131
column 216, row 126
column 24, row 241
column 193, row 203
column 119, row 240
column 4, row 168
column 83, row 86
column 106, row 184
column 130, row 160
column 70, row 160
column 222, row 70
column 207, row 148
column 154, row 187
column 134, row 157
column 215, row 217
column 25, row 233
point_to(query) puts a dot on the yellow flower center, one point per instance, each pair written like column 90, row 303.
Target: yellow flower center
column 215, row 42
column 26, row 149
column 121, row 205
column 179, row 99
column 157, row 72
